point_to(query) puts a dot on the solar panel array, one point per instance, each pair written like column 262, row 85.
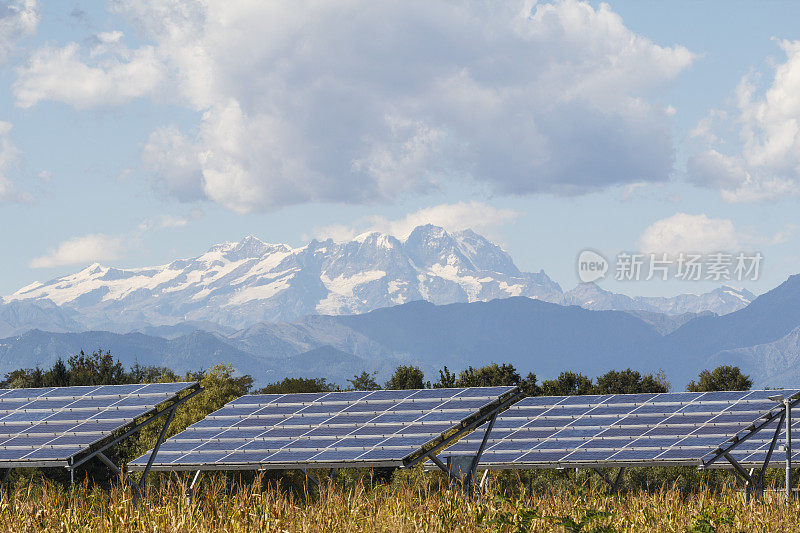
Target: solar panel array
column 359, row 428
column 681, row 428
column 48, row 426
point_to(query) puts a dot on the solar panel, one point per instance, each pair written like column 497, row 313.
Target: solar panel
column 625, row 430
column 52, row 426
column 354, row 428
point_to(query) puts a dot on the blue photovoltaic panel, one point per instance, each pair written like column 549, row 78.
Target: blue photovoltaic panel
column 48, row 426
column 626, row 429
column 360, row 428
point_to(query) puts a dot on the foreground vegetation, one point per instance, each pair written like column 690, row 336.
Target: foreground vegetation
column 412, row 501
column 657, row 499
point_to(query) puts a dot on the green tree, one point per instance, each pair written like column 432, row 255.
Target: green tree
column 152, row 374
column 529, row 385
column 492, row 375
column 447, row 379
column 629, row 382
column 364, row 381
column 295, row 385
column 99, row 368
column 723, row 377
column 58, row 376
column 407, row 377
column 567, row 384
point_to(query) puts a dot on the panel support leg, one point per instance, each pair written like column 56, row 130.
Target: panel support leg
column 190, row 488
column 469, row 480
column 312, row 478
column 612, row 484
column 788, row 434
column 749, row 483
column 760, row 484
column 137, row 494
column 160, row 440
column 443, row 467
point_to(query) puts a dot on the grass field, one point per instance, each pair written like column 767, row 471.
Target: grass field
column 414, row 502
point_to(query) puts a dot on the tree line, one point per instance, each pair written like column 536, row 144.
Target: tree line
column 568, row 383
column 101, row 368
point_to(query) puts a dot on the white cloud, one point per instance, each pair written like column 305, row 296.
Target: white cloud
column 360, row 102
column 18, row 19
column 690, row 233
column 477, row 216
column 700, row 233
column 81, row 250
column 170, row 221
column 762, row 162
column 62, row 75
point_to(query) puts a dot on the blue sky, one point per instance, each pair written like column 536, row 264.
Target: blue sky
column 133, row 133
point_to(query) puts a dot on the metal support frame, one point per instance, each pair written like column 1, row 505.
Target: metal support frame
column 136, row 486
column 752, row 429
column 110, row 464
column 760, row 484
column 467, row 481
column 613, row 484
column 787, row 406
column 135, row 428
column 443, row 467
column 750, row 483
column 784, row 418
column 466, row 427
column 313, row 479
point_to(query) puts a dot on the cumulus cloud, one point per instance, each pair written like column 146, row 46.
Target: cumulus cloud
column 359, row 102
column 690, row 233
column 18, row 19
column 477, row 216
column 762, row 161
column 683, row 232
column 81, row 250
column 62, row 75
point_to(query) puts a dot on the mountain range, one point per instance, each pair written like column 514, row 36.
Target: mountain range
column 240, row 284
column 763, row 338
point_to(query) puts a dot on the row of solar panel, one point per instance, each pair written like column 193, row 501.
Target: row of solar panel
column 388, row 426
column 353, row 426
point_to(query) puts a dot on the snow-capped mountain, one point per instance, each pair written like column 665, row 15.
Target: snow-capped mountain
column 721, row 301
column 238, row 284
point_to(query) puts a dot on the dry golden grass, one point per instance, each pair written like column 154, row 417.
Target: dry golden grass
column 404, row 505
